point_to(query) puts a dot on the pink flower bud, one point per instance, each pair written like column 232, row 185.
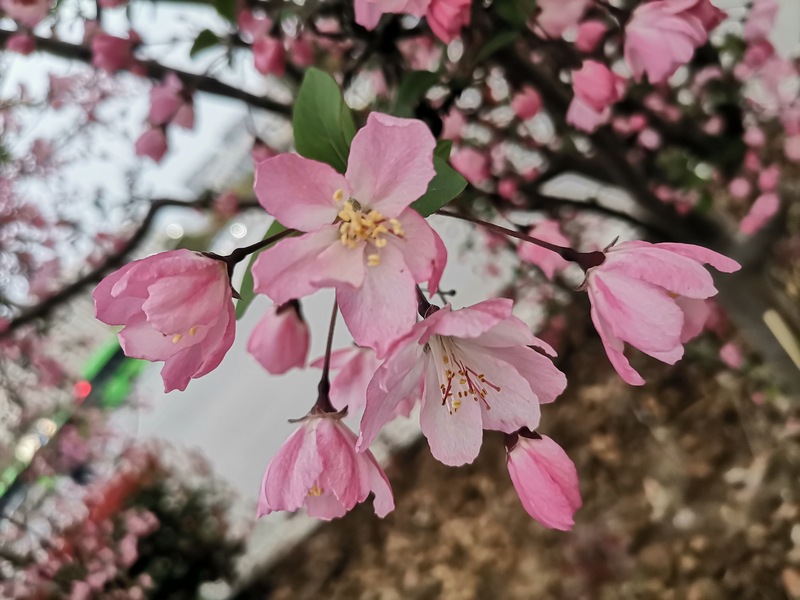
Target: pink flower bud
column 740, row 188
column 26, row 12
column 268, row 56
column 546, row 481
column 447, row 17
column 280, row 340
column 764, row 208
column 111, row 53
column 768, row 179
column 527, row 103
column 472, row 164
column 731, row 355
column 589, row 35
column 152, row 143
column 21, row 43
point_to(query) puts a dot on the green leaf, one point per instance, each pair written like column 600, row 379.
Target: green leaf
column 226, row 9
column 443, row 148
column 205, row 39
column 499, row 41
column 246, row 293
column 446, row 185
column 515, row 12
column 412, row 89
column 323, row 124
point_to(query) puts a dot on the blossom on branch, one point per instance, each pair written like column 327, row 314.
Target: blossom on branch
column 474, row 370
column 176, row 307
column 279, row 341
column 360, row 235
column 545, row 479
column 651, row 296
column 318, row 467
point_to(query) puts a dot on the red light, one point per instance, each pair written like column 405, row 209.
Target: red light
column 82, row 389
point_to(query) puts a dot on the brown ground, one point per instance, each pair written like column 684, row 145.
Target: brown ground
column 690, row 492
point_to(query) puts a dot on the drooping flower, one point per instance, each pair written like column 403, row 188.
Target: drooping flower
column 318, row 467
column 549, row 262
column 176, row 307
column 545, row 479
column 651, row 296
column 475, row 371
column 663, row 35
column 279, row 341
column 596, row 89
column 360, row 236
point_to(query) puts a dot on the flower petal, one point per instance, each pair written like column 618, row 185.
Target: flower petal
column 546, row 381
column 719, row 261
column 384, row 307
column 422, row 248
column 339, row 461
column 454, row 436
column 289, row 269
column 614, row 350
column 390, row 163
column 112, row 309
column 298, row 191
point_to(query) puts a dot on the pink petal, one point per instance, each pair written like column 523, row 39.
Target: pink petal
column 614, row 350
column 637, row 312
column 695, row 315
column 339, row 461
column 544, row 378
column 292, row 472
column 454, row 437
column 468, row 322
column 298, row 191
column 676, row 273
column 378, row 483
column 398, row 378
column 390, row 163
column 384, row 307
column 280, row 340
column 704, row 255
column 546, row 481
column 112, row 309
column 290, row 269
column 326, row 506
column 423, row 250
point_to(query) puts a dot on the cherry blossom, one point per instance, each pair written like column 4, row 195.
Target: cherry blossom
column 152, row 144
column 651, row 296
column 445, row 17
column 474, row 370
column 596, row 89
column 360, row 236
column 764, row 208
column 26, row 12
column 176, row 307
column 545, row 479
column 527, row 103
column 318, row 467
column 279, row 341
column 663, row 35
column 557, row 16
column 590, row 33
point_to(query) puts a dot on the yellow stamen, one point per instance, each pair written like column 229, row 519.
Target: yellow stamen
column 193, row 330
column 177, row 338
column 373, row 260
column 338, row 196
column 315, row 491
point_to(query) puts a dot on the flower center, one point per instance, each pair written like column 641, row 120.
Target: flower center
column 315, row 490
column 179, row 336
column 458, row 380
column 357, row 225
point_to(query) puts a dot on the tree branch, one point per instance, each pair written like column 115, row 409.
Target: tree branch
column 112, row 261
column 155, row 70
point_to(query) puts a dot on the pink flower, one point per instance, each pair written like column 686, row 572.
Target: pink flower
column 21, row 43
column 549, row 262
column 663, row 35
column 556, row 16
column 301, row 52
column 112, row 53
column 731, row 355
column 318, row 467
column 508, row 188
column 740, row 188
column 761, row 20
column 253, row 26
column 791, row 148
column 764, row 208
column 360, row 236
column 453, row 124
column 651, row 296
column 545, row 479
column 596, row 89
column 280, row 340
column 26, row 12
column 447, row 17
column 165, row 100
column 369, row 12
column 472, row 164
column 269, row 57
column 590, row 33
column 769, row 178
column 176, row 307
column 473, row 370
column 527, row 103
column 152, row 143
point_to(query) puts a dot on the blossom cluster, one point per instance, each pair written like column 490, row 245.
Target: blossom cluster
column 467, row 370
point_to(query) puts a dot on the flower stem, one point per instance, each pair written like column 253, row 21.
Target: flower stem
column 323, row 397
column 240, row 254
column 586, row 260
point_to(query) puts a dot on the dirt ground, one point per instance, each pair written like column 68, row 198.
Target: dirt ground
column 691, row 491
